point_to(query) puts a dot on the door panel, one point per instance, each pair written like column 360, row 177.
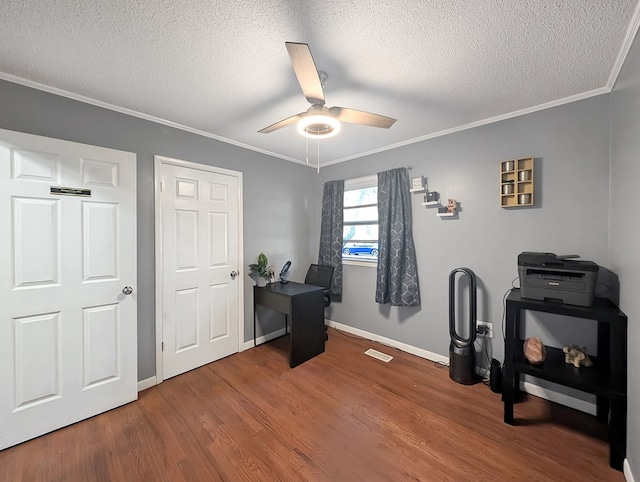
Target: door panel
column 186, row 226
column 37, row 371
column 37, row 166
column 218, row 311
column 35, row 242
column 199, row 244
column 186, row 326
column 218, row 236
column 100, row 241
column 101, row 354
column 68, row 347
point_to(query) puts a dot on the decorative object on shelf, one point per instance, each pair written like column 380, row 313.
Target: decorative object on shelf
column 576, row 356
column 534, row 350
column 432, row 198
column 260, row 271
column 450, row 210
column 517, row 182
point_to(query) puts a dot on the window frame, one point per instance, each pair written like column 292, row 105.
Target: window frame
column 355, row 184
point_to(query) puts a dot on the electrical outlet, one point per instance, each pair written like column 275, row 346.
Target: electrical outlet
column 487, row 328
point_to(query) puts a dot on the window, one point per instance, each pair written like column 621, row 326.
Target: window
column 360, row 236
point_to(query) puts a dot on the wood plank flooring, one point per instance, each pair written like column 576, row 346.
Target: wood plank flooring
column 342, row 416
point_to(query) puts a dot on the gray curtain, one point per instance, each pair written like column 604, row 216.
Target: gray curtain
column 397, row 276
column 331, row 229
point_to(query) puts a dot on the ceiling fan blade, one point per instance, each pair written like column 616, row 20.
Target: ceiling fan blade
column 306, row 72
column 283, row 123
column 360, row 117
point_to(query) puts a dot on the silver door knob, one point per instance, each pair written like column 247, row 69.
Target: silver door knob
column 234, row 274
column 127, row 290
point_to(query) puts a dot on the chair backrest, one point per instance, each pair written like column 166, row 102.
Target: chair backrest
column 319, row 275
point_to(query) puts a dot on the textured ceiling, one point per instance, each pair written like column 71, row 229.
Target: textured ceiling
column 221, row 67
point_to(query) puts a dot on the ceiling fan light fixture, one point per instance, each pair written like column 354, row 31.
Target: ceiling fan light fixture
column 318, row 126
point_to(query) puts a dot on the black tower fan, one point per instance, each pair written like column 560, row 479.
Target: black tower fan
column 461, row 350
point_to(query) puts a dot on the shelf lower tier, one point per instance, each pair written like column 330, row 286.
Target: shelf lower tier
column 594, row 379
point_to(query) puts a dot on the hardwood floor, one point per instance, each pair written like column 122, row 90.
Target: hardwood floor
column 342, row 416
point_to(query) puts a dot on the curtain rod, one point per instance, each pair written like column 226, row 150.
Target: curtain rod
column 408, row 168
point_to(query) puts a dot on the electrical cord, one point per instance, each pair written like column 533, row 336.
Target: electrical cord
column 355, row 337
column 504, row 306
column 484, row 350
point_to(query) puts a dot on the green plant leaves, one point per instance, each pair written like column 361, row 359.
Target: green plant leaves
column 260, row 268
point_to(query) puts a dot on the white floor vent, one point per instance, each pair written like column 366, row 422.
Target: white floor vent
column 379, row 355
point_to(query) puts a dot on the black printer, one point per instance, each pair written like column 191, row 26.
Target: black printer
column 545, row 276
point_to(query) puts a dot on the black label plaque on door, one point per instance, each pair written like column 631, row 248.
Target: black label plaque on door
column 70, row 191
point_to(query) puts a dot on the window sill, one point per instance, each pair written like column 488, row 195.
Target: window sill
column 353, row 262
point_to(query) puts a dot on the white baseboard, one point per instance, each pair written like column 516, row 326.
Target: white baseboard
column 388, row 341
column 263, row 338
column 151, row 381
column 147, row 383
column 528, row 387
column 626, row 470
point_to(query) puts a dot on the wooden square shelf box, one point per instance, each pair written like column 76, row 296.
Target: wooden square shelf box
column 516, row 183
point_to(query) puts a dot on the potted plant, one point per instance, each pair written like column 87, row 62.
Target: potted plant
column 260, row 271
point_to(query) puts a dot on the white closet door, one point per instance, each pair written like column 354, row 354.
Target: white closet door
column 68, row 331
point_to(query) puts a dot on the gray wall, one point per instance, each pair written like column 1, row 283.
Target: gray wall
column 282, row 209
column 278, row 195
column 570, row 144
column 625, row 228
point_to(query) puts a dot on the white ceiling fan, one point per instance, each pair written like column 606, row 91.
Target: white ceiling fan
column 319, row 121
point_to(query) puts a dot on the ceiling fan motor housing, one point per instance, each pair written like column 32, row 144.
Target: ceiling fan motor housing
column 318, row 123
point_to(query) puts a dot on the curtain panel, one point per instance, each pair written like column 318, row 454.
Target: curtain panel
column 397, row 275
column 331, row 232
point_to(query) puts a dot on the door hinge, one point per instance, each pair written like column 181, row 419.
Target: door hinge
column 161, row 186
column 163, row 346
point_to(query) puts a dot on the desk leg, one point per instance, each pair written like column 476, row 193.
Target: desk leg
column 307, row 327
column 254, row 322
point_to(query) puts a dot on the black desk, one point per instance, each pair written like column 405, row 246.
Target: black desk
column 607, row 378
column 304, row 305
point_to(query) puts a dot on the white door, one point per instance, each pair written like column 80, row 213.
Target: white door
column 68, row 347
column 199, row 256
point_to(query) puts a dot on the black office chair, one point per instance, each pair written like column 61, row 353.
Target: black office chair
column 321, row 275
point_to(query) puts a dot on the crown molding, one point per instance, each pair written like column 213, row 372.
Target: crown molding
column 631, row 32
column 490, row 120
column 122, row 110
column 629, row 36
